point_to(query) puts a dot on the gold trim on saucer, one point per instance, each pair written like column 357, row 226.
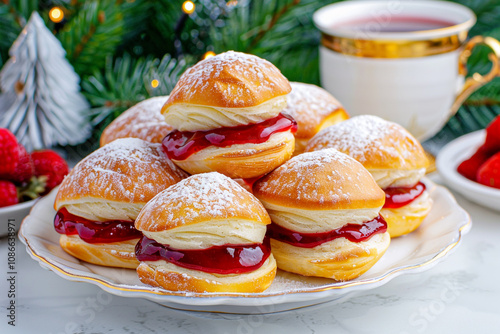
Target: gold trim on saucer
column 393, row 48
column 113, row 287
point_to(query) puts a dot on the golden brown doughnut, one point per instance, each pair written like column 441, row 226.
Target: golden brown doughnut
column 391, row 154
column 374, row 142
column 322, row 192
column 241, row 161
column 314, row 109
column 229, row 80
column 200, row 213
column 218, row 94
column 114, row 254
column 144, row 121
column 113, row 184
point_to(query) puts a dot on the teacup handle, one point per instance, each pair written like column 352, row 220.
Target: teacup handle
column 476, row 80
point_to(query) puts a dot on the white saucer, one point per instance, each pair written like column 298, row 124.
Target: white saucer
column 440, row 232
column 12, row 216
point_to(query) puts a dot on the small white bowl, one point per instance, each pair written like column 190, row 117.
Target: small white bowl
column 12, row 216
column 451, row 156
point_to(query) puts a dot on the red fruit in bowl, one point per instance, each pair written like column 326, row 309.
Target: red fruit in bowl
column 492, row 141
column 469, row 167
column 489, row 172
column 24, row 169
column 8, row 194
column 9, row 152
column 50, row 164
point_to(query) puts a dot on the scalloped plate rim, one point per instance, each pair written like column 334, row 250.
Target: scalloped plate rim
column 307, row 297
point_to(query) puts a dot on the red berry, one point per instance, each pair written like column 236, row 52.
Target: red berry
column 8, row 194
column 9, row 152
column 469, row 167
column 24, row 169
column 492, row 141
column 49, row 163
column 489, row 172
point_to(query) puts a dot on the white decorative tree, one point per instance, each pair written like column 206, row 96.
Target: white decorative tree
column 41, row 101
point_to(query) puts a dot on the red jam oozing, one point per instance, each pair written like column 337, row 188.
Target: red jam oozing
column 250, row 181
column 94, row 232
column 225, row 260
column 400, row 196
column 352, row 232
column 180, row 145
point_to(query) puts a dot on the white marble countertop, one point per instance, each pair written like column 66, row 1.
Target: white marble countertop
column 459, row 295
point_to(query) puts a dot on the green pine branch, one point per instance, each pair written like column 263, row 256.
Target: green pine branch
column 92, row 35
column 136, row 33
column 136, row 22
column 127, row 81
column 483, row 105
column 11, row 23
column 21, row 9
column 167, row 13
column 487, row 12
column 194, row 37
column 281, row 31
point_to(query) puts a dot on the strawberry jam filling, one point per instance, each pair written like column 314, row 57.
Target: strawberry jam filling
column 400, row 196
column 251, row 181
column 225, row 259
column 92, row 231
column 180, row 145
column 352, row 232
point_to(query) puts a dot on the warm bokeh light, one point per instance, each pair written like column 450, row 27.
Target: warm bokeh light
column 232, row 3
column 188, row 7
column 56, row 15
column 208, row 54
column 155, row 83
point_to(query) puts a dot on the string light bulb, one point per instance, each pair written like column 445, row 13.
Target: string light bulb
column 56, row 15
column 155, row 83
column 188, row 7
column 208, row 54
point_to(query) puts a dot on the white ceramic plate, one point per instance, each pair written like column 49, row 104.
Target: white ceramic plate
column 451, row 156
column 13, row 215
column 441, row 231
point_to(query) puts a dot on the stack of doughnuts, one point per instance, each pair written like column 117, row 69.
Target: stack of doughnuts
column 143, row 120
column 394, row 157
column 226, row 112
column 98, row 201
column 314, row 109
column 325, row 212
column 205, row 234
column 328, row 212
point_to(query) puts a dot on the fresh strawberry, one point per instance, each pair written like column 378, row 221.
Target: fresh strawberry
column 489, row 172
column 492, row 141
column 9, row 152
column 24, row 169
column 8, row 194
column 469, row 167
column 49, row 163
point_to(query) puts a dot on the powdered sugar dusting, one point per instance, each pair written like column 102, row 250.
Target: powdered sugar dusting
column 144, row 121
column 127, row 170
column 309, row 105
column 239, row 78
column 199, row 198
column 366, row 134
column 316, row 177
